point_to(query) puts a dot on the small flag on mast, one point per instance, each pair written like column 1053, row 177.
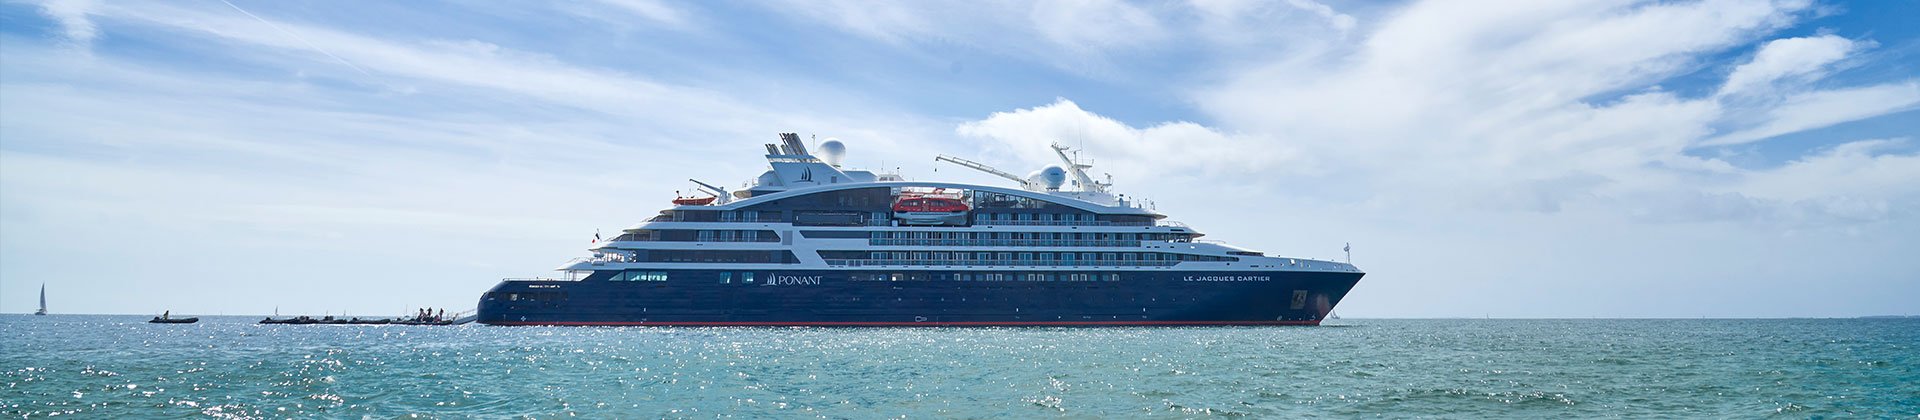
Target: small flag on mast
column 596, row 236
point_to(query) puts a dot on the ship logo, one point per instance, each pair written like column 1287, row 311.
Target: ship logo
column 779, row 280
column 806, row 175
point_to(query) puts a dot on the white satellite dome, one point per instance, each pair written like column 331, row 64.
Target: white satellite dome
column 832, row 151
column 1050, row 177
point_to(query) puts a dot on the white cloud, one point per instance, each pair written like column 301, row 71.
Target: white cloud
column 1172, row 147
column 72, row 16
column 1462, row 104
column 1074, row 35
column 1093, row 26
column 655, row 10
column 1865, row 170
column 1788, row 57
column 1338, row 20
column 1824, row 108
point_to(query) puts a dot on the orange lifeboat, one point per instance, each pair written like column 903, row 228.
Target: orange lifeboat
column 693, row 201
column 916, row 209
column 930, row 204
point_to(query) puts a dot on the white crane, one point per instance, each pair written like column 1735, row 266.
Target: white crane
column 983, row 168
column 1048, row 179
column 720, row 194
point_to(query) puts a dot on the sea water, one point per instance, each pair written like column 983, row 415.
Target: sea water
column 120, row 366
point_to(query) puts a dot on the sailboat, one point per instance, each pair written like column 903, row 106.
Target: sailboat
column 43, row 300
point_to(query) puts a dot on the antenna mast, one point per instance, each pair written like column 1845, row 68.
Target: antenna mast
column 1078, row 171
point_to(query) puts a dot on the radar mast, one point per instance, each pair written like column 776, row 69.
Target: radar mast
column 1078, row 171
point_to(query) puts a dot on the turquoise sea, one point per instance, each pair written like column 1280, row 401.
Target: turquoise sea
column 121, row 367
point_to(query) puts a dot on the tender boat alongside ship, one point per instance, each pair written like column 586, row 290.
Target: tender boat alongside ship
column 809, row 242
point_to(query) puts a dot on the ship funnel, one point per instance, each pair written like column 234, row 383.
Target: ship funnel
column 793, row 145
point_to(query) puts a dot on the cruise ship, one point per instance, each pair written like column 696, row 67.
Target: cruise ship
column 810, row 243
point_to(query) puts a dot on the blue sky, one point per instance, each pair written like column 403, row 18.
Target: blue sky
column 1518, row 159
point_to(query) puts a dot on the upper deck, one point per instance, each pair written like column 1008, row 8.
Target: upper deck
column 807, row 212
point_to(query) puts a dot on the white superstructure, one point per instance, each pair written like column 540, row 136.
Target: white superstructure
column 809, row 213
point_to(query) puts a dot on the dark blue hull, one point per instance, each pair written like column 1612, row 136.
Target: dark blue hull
column 923, row 298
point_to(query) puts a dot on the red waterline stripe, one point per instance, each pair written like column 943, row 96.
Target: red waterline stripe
column 905, row 324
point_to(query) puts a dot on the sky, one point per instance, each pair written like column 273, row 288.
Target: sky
column 1574, row 158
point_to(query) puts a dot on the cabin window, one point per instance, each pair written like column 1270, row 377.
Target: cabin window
column 746, row 277
column 726, row 277
column 646, row 276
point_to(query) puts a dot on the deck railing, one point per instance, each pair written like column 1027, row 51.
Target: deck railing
column 1166, row 223
column 891, row 222
column 1001, row 242
column 1014, row 263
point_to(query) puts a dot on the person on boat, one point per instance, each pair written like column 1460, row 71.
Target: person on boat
column 166, row 314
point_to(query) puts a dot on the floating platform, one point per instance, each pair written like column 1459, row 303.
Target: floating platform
column 308, row 320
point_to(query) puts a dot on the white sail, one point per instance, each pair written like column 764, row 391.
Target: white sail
column 43, row 300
